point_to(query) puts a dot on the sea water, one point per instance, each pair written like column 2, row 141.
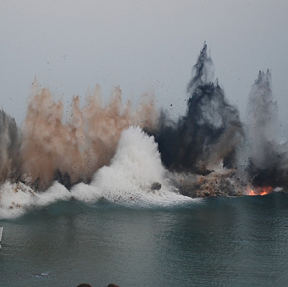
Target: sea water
column 208, row 242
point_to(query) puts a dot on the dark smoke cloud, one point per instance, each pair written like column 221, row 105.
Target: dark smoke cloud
column 210, row 130
column 9, row 148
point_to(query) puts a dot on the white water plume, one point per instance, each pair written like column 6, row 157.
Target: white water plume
column 135, row 168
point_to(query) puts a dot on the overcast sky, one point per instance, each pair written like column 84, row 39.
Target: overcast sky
column 70, row 46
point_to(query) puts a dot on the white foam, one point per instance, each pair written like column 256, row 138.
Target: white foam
column 128, row 180
column 16, row 199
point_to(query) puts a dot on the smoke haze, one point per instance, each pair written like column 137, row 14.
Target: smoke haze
column 267, row 157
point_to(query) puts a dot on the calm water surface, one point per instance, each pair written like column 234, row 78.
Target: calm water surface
column 212, row 242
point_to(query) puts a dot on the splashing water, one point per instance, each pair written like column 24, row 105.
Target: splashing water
column 135, row 176
column 141, row 156
column 134, row 170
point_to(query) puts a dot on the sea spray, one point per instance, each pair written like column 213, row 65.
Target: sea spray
column 18, row 198
column 130, row 177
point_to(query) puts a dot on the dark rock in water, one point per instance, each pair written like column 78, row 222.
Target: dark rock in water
column 113, row 285
column 35, row 184
column 156, row 186
column 64, row 179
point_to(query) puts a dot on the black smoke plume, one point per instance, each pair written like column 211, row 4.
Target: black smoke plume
column 9, row 148
column 209, row 132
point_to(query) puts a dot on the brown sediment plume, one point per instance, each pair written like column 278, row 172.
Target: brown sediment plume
column 74, row 150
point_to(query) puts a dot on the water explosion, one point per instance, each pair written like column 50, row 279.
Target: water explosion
column 97, row 153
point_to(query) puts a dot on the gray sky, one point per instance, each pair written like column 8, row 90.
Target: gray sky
column 70, row 46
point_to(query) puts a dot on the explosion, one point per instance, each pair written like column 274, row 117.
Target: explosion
column 260, row 191
column 209, row 151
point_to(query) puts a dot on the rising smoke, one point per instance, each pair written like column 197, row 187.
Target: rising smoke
column 267, row 163
column 9, row 148
column 208, row 151
column 210, row 130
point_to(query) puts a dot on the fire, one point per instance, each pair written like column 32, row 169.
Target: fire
column 260, row 191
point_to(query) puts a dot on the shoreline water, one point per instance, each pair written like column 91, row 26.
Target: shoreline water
column 237, row 239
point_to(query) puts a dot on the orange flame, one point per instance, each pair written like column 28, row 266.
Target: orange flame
column 260, row 191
